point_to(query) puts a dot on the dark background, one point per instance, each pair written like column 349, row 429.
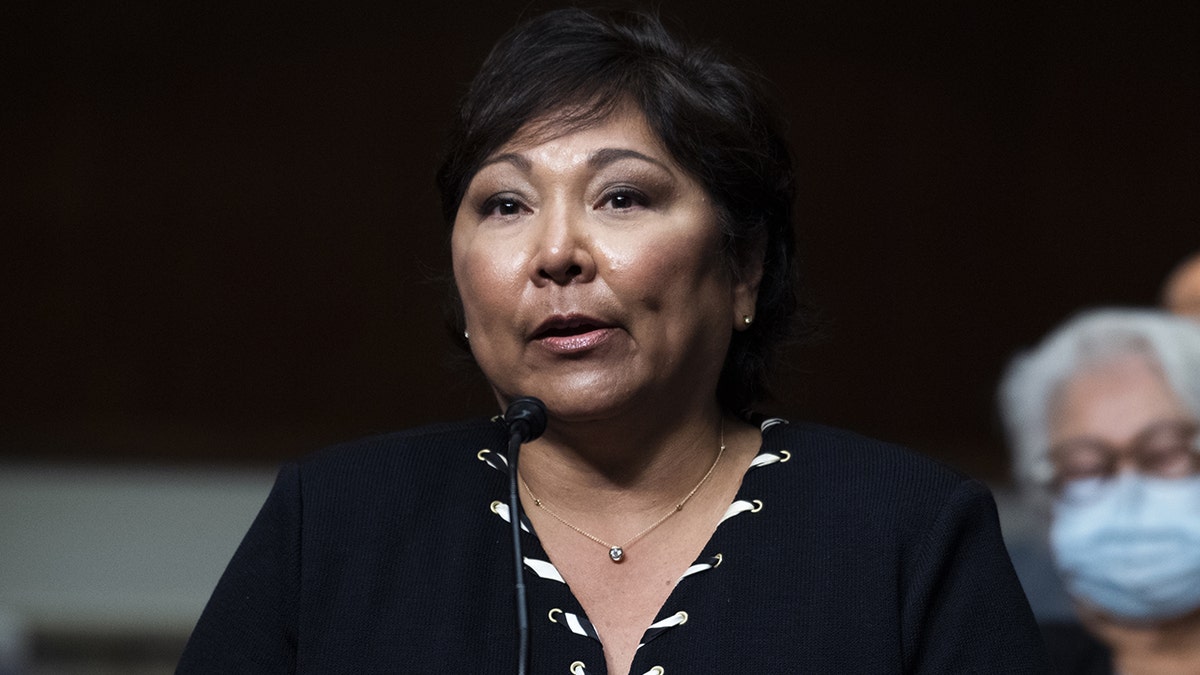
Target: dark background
column 222, row 242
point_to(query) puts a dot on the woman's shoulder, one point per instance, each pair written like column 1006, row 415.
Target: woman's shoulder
column 429, row 449
column 839, row 464
column 433, row 434
column 833, row 449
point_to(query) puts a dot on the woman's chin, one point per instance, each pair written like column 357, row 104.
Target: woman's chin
column 1099, row 620
column 578, row 402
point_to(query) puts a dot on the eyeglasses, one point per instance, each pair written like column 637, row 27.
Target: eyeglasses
column 1164, row 449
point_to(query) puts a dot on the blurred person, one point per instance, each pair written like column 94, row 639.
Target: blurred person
column 1181, row 292
column 1103, row 418
column 620, row 214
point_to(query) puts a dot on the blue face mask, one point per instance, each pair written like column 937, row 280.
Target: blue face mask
column 1130, row 546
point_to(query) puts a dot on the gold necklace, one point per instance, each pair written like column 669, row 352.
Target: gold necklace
column 616, row 552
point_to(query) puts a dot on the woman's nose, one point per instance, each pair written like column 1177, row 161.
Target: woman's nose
column 564, row 249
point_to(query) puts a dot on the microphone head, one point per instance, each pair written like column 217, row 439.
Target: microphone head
column 526, row 415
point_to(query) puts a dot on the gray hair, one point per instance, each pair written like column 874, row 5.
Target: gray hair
column 1034, row 379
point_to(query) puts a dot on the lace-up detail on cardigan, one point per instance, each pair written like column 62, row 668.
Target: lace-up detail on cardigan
column 575, row 623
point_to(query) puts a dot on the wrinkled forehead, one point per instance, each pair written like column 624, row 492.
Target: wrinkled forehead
column 573, row 118
column 1114, row 400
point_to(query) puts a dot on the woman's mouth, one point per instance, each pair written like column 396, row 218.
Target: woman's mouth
column 572, row 334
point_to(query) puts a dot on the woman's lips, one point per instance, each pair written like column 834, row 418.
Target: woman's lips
column 572, row 334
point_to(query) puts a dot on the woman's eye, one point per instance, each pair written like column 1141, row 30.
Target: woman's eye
column 621, row 200
column 1082, row 460
column 501, row 206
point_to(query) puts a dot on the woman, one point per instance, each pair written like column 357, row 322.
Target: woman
column 1103, row 416
column 622, row 248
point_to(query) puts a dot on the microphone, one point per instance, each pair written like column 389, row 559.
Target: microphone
column 526, row 420
column 526, row 416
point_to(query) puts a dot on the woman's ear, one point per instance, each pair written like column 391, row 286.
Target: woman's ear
column 746, row 277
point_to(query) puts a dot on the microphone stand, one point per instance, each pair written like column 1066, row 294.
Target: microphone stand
column 514, row 515
column 526, row 419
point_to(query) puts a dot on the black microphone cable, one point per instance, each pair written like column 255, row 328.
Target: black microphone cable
column 526, row 420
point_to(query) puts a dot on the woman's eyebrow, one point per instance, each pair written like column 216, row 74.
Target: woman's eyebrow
column 597, row 160
column 523, row 164
column 606, row 156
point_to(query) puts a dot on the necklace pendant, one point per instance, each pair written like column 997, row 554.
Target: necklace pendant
column 616, row 553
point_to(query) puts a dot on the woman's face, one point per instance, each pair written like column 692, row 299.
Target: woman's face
column 591, row 273
column 1121, row 414
column 1124, row 533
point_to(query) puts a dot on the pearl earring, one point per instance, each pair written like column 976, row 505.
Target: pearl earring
column 747, row 319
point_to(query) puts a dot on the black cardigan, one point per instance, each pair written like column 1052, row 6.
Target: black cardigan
column 839, row 555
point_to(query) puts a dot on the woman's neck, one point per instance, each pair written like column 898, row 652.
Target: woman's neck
column 1168, row 647
column 622, row 468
